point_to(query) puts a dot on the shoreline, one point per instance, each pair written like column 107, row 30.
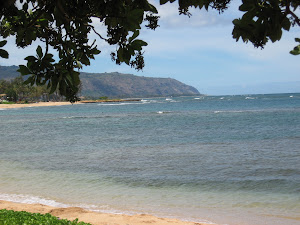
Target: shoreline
column 38, row 104
column 95, row 218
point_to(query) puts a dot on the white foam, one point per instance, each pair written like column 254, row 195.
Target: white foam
column 117, row 104
column 162, row 112
column 28, row 199
column 237, row 111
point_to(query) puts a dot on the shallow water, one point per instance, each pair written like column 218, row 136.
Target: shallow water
column 224, row 159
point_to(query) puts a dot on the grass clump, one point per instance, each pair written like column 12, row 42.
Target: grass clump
column 6, row 102
column 10, row 217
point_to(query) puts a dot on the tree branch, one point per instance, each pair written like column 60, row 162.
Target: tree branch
column 35, row 19
column 289, row 12
column 98, row 33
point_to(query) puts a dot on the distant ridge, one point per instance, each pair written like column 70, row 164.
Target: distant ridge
column 9, row 72
column 128, row 85
column 118, row 85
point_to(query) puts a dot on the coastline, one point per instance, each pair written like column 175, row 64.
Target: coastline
column 95, row 218
column 38, row 104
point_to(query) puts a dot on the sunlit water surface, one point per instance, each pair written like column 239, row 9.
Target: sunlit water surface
column 224, row 159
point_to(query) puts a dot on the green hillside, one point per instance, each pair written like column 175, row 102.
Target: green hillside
column 128, row 85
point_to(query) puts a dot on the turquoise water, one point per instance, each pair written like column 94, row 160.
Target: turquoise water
column 223, row 159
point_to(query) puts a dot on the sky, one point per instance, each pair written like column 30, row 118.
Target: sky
column 200, row 51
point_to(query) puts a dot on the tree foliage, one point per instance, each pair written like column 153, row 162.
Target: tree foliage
column 65, row 25
column 17, row 90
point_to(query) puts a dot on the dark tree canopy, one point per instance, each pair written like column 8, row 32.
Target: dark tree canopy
column 64, row 25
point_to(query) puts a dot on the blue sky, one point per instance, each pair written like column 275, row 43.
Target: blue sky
column 200, row 51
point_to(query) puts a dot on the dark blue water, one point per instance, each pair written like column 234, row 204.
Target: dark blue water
column 198, row 158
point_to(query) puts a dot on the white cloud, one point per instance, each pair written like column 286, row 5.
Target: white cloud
column 16, row 55
column 170, row 18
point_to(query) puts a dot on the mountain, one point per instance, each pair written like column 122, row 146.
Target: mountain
column 9, row 72
column 118, row 85
column 128, row 85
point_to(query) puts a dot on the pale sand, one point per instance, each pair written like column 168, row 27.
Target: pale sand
column 11, row 106
column 94, row 218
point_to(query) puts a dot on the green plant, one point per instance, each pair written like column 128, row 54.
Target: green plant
column 10, row 217
column 6, row 102
column 103, row 98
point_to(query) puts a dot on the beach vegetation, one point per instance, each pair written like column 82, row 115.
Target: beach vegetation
column 15, row 90
column 5, row 102
column 64, row 27
column 103, row 98
column 10, row 217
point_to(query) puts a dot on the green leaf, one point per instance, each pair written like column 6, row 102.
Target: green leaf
column 49, row 58
column 3, row 54
column 2, row 43
column 120, row 54
column 95, row 51
column 135, row 18
column 296, row 50
column 137, row 44
column 85, row 60
column 24, row 70
column 248, row 16
column 31, row 58
column 247, row 6
column 126, row 56
column 53, row 86
column 275, row 35
column 286, row 24
column 75, row 78
column 39, row 51
column 152, row 8
column 163, row 1
column 30, row 80
column 135, row 34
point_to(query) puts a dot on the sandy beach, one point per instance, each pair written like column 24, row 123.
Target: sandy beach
column 11, row 106
column 94, row 218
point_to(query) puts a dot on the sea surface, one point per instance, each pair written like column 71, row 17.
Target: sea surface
column 220, row 159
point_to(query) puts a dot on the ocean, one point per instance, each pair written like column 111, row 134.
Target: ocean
column 218, row 159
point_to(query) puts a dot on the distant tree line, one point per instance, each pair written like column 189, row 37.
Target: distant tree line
column 16, row 91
